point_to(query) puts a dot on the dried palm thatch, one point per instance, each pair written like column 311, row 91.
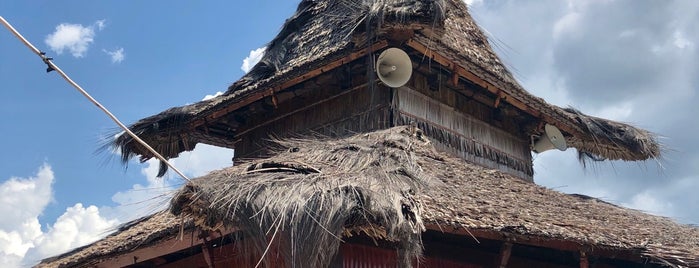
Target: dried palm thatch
column 127, row 237
column 321, row 32
column 380, row 182
column 368, row 187
column 392, row 185
column 608, row 135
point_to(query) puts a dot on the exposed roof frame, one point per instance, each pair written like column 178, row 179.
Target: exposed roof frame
column 502, row 95
column 267, row 93
column 181, row 241
column 422, row 48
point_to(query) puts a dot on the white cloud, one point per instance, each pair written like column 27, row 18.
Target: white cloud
column 75, row 38
column 142, row 199
column 680, row 41
column 600, row 57
column 566, row 25
column 30, row 194
column 208, row 97
column 619, row 111
column 252, row 59
column 78, row 226
column 651, row 203
column 203, row 159
column 100, row 24
column 117, row 55
column 72, row 37
column 473, row 2
column 22, row 242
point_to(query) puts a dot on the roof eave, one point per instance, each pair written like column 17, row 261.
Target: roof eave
column 575, row 125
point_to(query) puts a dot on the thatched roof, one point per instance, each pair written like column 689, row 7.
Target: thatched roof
column 128, row 237
column 392, row 185
column 323, row 35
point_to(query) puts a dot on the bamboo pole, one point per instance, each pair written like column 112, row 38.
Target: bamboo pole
column 54, row 67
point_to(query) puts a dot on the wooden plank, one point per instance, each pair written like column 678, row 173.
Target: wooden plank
column 194, row 261
column 272, row 120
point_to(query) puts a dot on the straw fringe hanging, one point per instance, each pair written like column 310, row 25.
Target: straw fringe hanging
column 470, row 138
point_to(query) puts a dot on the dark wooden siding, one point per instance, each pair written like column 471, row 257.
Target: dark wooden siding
column 351, row 111
column 363, row 256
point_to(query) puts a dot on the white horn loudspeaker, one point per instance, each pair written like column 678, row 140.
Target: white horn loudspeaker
column 394, row 67
column 552, row 139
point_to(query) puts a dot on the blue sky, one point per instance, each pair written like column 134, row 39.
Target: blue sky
column 173, row 54
column 598, row 56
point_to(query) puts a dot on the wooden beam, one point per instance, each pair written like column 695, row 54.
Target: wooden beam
column 313, row 73
column 463, row 91
column 272, row 120
column 167, row 246
column 207, row 251
column 463, row 72
column 632, row 255
column 470, row 76
column 505, row 252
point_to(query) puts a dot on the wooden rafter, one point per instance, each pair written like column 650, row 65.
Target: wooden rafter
column 274, row 119
column 466, row 74
column 186, row 240
column 266, row 93
column 457, row 73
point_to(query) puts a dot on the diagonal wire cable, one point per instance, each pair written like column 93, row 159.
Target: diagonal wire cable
column 54, row 67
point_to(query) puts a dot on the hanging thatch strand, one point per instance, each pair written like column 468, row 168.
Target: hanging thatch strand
column 367, row 187
column 607, row 137
column 363, row 185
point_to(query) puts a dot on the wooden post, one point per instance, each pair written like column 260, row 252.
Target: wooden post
column 584, row 263
column 505, row 252
column 207, row 250
column 275, row 102
column 500, row 96
column 454, row 77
